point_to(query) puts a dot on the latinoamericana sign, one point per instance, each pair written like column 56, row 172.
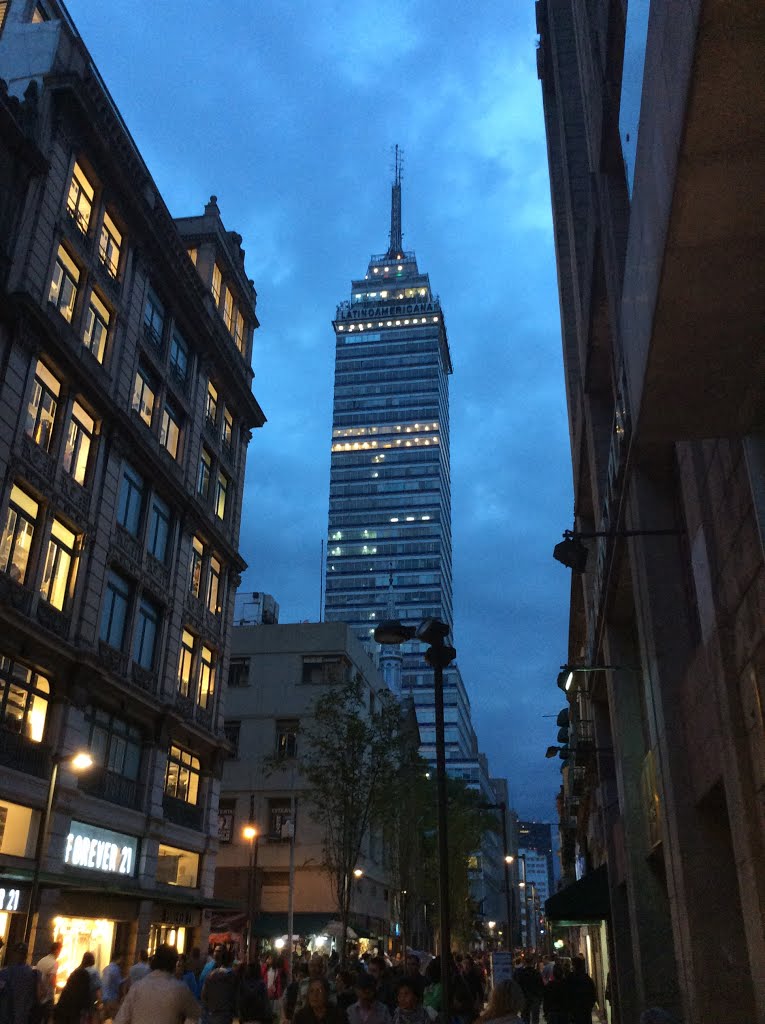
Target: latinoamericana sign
column 100, row 849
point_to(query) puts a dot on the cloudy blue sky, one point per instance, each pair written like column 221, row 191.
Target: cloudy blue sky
column 288, row 111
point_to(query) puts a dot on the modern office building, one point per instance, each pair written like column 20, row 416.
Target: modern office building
column 654, row 115
column 125, row 415
column 535, row 837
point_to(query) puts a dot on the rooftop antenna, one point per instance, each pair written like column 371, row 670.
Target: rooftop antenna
column 396, row 248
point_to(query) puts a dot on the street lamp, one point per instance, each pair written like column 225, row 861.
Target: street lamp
column 507, row 860
column 77, row 762
column 573, row 554
column 439, row 654
column 358, row 872
column 250, row 833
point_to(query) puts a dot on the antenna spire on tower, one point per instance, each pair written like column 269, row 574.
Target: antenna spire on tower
column 396, row 238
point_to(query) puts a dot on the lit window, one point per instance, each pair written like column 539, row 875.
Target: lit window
column 41, row 411
column 211, row 403
column 205, row 474
column 39, row 15
column 197, row 557
column 214, row 587
column 228, row 310
column 24, row 699
column 182, row 775
column 63, row 285
column 193, row 253
column 185, row 663
column 143, row 397
column 159, row 528
column 153, row 319
column 177, row 867
column 221, row 487
column 60, row 566
column 147, row 627
column 206, row 676
column 239, row 332
column 96, row 327
column 79, row 202
column 179, row 357
column 130, row 503
column 217, row 280
column 227, row 431
column 78, row 440
column 114, row 614
column 286, row 739
column 170, row 430
column 110, row 245
column 16, row 539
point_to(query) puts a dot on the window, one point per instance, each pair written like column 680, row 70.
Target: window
column 182, row 775
column 24, row 697
column 217, row 279
column 159, row 528
column 153, row 319
column 231, row 731
column 78, row 440
column 39, row 15
column 109, row 245
column 286, row 738
column 143, row 396
column 227, row 429
column 228, row 310
column 79, row 202
column 41, row 411
column 239, row 672
column 63, row 285
column 214, row 587
column 60, row 566
column 170, row 430
column 206, row 676
column 3, row 12
column 147, row 627
column 197, row 557
column 18, row 532
column 205, row 473
column 96, row 327
column 177, row 867
column 279, row 818
column 221, row 487
column 115, row 745
column 239, row 331
column 322, row 670
column 114, row 615
column 211, row 403
column 179, row 357
column 130, row 500
column 193, row 253
column 185, row 663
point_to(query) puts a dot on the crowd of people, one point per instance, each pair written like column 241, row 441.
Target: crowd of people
column 171, row 988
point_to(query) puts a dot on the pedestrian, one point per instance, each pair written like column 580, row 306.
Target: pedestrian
column 345, row 991
column 530, row 980
column 580, row 993
column 20, row 988
column 220, row 992
column 111, row 981
column 159, row 998
column 474, row 981
column 292, row 992
column 140, row 968
column 505, row 1005
column 410, row 1009
column 185, row 972
column 368, row 1008
column 254, row 1004
column 385, row 993
column 318, row 1009
column 76, row 1001
column 432, row 997
column 554, row 1000
column 48, row 968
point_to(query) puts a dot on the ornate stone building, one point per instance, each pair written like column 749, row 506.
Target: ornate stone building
column 125, row 415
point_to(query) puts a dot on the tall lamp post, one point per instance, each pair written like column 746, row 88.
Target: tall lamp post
column 507, row 860
column 79, row 762
column 250, row 833
column 439, row 654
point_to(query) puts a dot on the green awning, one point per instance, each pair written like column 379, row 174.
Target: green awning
column 581, row 902
column 271, row 925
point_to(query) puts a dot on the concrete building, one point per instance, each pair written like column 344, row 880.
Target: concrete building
column 535, row 837
column 655, row 139
column 125, row 417
column 278, row 671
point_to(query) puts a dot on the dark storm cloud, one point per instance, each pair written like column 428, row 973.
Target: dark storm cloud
column 287, row 112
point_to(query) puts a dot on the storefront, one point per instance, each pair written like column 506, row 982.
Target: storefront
column 14, row 900
column 175, row 926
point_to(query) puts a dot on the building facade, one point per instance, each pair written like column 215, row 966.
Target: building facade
column 125, row 345
column 277, row 673
column 654, row 117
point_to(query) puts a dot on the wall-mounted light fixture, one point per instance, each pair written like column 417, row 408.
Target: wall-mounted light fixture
column 573, row 554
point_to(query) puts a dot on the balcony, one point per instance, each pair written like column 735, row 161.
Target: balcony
column 144, row 678
column 24, row 755
column 106, row 785
column 181, row 813
column 53, row 620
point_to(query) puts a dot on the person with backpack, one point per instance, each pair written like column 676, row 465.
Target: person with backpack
column 21, row 991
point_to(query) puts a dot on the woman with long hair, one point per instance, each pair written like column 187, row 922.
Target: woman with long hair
column 506, row 1003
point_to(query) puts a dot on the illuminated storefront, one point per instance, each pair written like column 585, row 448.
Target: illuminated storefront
column 79, row 936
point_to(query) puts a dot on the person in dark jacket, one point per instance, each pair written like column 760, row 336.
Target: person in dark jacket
column 318, row 1009
column 530, row 980
column 554, row 1001
column 20, row 988
column 76, row 998
column 254, row 1004
column 220, row 992
column 580, row 993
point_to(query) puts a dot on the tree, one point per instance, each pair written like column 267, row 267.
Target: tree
column 348, row 760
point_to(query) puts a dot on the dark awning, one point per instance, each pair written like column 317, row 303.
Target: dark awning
column 582, row 902
column 269, row 925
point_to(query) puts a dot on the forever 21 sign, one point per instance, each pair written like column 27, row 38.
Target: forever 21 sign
column 100, row 849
